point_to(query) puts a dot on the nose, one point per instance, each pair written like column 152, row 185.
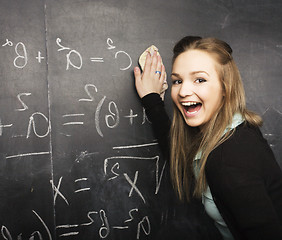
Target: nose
column 186, row 89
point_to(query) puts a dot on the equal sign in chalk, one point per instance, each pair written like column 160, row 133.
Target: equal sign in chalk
column 96, row 59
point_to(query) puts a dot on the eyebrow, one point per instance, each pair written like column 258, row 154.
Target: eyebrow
column 192, row 73
column 175, row 74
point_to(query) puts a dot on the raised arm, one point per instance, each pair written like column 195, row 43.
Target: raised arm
column 149, row 85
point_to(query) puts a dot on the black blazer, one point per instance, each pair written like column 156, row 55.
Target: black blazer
column 243, row 175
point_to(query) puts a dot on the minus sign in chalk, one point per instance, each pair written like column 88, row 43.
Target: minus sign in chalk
column 27, row 154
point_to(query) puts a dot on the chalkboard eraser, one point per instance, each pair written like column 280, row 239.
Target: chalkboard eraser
column 142, row 57
column 142, row 60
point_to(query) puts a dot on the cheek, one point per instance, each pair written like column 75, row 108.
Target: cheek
column 217, row 99
column 173, row 95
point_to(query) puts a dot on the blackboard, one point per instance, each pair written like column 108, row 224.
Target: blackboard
column 78, row 159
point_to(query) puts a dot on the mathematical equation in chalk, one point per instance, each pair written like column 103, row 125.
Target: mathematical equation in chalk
column 74, row 58
column 104, row 228
column 99, row 219
column 111, row 116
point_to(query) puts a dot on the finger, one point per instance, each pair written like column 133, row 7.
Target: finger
column 159, row 66
column 163, row 74
column 159, row 63
column 148, row 62
column 137, row 74
column 154, row 62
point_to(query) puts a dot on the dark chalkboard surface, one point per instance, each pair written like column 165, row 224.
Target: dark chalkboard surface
column 77, row 156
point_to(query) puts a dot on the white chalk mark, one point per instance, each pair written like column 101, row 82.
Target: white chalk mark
column 84, row 154
column 32, row 123
column 32, row 236
column 125, row 227
column 25, row 107
column 97, row 116
column 145, row 118
column 133, row 185
column 23, row 57
column 126, row 157
column 58, row 41
column 112, row 115
column 69, row 62
column 96, row 59
column 67, row 135
column 82, row 190
column 269, row 134
column 116, row 165
column 43, row 223
column 15, row 136
column 27, row 154
column 67, row 226
column 90, row 218
column 4, row 126
column 39, row 57
column 73, row 123
column 141, row 224
column 8, row 42
column 81, row 179
column 86, row 88
column 69, row 234
column 131, row 116
column 110, row 44
column 159, row 179
column 130, row 214
column 56, row 189
column 105, row 225
column 225, row 22
column 135, row 146
column 130, row 61
column 6, row 233
column 73, row 114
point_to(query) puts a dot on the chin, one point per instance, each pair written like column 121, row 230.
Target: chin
column 192, row 124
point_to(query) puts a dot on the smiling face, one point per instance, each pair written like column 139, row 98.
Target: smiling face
column 196, row 88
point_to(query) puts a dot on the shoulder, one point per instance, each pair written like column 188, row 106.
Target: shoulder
column 247, row 144
column 246, row 153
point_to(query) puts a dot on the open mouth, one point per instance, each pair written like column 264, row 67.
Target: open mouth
column 191, row 107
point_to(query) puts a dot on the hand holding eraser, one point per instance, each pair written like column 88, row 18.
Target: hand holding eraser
column 142, row 60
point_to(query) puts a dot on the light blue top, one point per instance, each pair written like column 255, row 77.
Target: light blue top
column 207, row 198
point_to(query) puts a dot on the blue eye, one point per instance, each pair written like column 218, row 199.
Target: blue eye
column 200, row 80
column 176, row 82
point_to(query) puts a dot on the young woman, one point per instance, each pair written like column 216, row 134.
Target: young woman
column 214, row 139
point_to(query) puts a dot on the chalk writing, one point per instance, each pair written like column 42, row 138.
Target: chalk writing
column 32, row 125
column 114, row 115
column 57, row 192
column 8, row 43
column 27, row 154
column 21, row 60
column 129, row 58
column 39, row 57
column 82, row 189
column 143, row 224
column 69, row 54
column 110, row 44
column 97, row 59
column 4, row 126
column 133, row 184
column 74, row 59
column 5, row 233
column 24, row 106
column 95, row 111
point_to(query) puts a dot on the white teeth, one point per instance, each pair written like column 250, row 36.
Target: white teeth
column 187, row 104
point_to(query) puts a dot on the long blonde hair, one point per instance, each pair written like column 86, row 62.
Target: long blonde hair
column 187, row 141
